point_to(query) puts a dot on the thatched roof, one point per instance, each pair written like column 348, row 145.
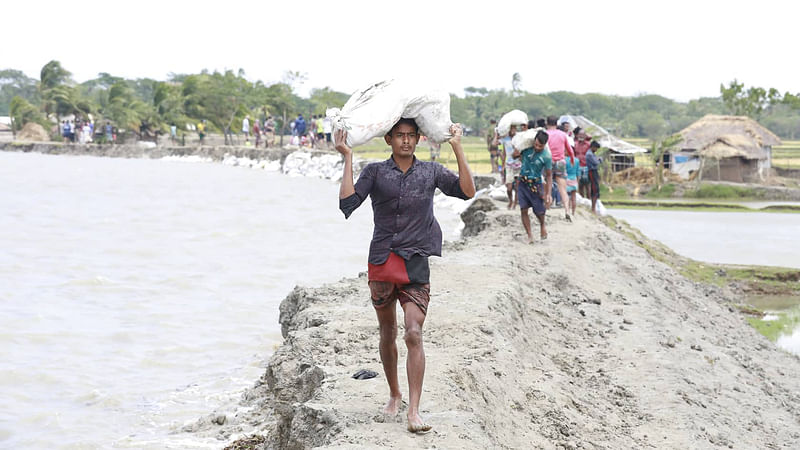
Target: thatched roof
column 728, row 136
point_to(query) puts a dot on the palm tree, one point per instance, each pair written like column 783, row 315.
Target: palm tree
column 57, row 97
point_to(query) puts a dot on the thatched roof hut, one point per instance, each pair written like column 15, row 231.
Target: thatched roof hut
column 726, row 148
column 721, row 137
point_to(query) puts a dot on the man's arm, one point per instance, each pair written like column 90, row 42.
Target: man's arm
column 465, row 180
column 346, row 189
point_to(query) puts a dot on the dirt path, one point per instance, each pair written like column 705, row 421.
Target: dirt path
column 579, row 341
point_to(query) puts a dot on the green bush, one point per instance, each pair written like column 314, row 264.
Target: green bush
column 666, row 191
column 722, row 191
column 619, row 192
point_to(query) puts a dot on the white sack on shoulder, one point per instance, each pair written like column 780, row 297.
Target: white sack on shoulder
column 369, row 113
column 515, row 117
column 372, row 112
column 523, row 140
column 431, row 112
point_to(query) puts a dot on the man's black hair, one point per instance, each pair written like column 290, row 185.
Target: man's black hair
column 552, row 120
column 577, row 130
column 492, row 121
column 540, row 122
column 594, row 144
column 542, row 137
column 531, row 124
column 407, row 122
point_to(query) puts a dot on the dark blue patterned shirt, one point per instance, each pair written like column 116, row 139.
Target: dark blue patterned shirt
column 402, row 204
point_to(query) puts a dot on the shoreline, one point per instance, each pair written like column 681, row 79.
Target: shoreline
column 585, row 340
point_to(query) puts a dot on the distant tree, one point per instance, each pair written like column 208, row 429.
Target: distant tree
column 657, row 151
column 15, row 83
column 751, row 102
column 21, row 112
column 281, row 99
column 324, row 98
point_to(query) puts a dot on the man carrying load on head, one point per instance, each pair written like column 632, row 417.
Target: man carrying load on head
column 406, row 234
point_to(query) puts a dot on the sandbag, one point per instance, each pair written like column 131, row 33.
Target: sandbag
column 567, row 118
column 524, row 140
column 515, row 117
column 372, row 112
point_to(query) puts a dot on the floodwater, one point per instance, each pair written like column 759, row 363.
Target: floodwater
column 767, row 239
column 138, row 295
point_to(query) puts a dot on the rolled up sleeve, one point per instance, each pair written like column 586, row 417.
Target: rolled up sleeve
column 362, row 187
column 447, row 182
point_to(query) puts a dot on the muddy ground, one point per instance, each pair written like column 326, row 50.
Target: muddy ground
column 583, row 340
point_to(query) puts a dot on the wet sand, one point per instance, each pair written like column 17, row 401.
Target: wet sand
column 580, row 341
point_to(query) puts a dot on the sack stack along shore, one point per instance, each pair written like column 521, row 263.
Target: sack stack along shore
column 583, row 340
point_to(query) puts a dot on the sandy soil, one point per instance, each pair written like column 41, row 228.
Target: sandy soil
column 580, row 341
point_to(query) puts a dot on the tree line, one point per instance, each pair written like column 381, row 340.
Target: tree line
column 225, row 98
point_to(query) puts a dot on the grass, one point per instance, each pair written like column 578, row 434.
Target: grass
column 613, row 193
column 723, row 191
column 676, row 206
column 666, row 191
column 773, row 329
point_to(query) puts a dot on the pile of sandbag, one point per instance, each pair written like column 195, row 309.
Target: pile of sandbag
column 372, row 112
column 515, row 117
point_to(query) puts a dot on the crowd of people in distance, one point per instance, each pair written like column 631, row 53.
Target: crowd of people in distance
column 82, row 131
column 314, row 133
column 561, row 163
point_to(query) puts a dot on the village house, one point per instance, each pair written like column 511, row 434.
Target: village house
column 724, row 148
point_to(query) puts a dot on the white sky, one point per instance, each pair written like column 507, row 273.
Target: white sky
column 680, row 49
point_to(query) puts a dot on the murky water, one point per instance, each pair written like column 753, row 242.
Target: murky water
column 768, row 239
column 138, row 295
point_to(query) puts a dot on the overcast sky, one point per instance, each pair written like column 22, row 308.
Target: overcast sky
column 679, row 49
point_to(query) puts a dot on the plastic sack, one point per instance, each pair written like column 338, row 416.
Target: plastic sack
column 515, row 117
column 524, row 140
column 569, row 119
column 372, row 112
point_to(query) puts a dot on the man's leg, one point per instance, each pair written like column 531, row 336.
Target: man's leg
column 573, row 201
column 542, row 229
column 510, row 193
column 415, row 364
column 561, row 183
column 387, row 322
column 526, row 223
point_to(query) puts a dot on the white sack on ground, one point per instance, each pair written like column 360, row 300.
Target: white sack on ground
column 372, row 112
column 515, row 117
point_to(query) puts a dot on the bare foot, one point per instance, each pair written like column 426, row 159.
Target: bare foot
column 393, row 406
column 417, row 425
